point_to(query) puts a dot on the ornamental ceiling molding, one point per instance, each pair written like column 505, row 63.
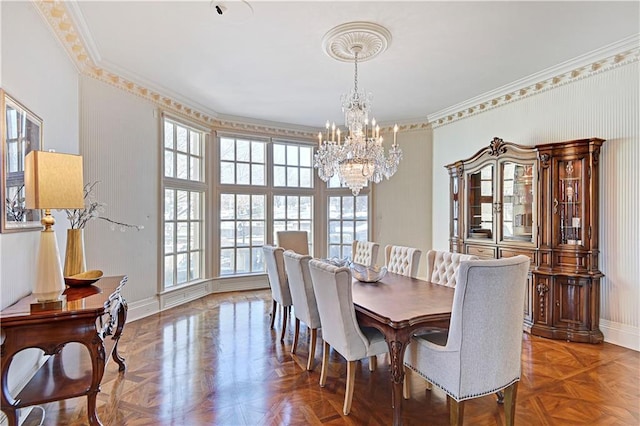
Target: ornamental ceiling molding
column 624, row 52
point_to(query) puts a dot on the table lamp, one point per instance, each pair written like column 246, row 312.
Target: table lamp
column 52, row 181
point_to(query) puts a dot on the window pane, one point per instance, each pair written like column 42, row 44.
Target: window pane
column 227, row 233
column 194, row 236
column 183, row 205
column 279, row 207
column 347, row 207
column 292, row 225
column 257, row 233
column 168, row 271
column 181, row 167
column 168, row 134
column 168, row 238
column 181, row 269
column 227, row 206
column 305, row 178
column 362, row 231
column 305, row 156
column 257, row 264
column 278, row 225
column 181, row 237
column 257, row 152
column 334, row 251
column 279, row 154
column 168, row 164
column 243, row 150
column 335, row 231
column 227, row 262
column 243, row 205
column 169, row 206
column 227, row 172
column 194, row 138
column 194, row 266
column 243, row 262
column 257, row 207
column 243, row 174
column 292, row 176
column 279, row 176
column 194, row 212
column 181, row 139
column 194, row 169
column 305, row 207
column 362, row 207
column 347, row 232
column 292, row 207
column 257, row 174
column 227, row 149
column 243, row 234
column 292, row 155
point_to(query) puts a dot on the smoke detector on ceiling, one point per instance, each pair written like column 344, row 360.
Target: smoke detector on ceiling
column 231, row 11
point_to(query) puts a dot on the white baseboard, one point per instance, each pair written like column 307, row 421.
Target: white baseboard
column 620, row 334
column 143, row 308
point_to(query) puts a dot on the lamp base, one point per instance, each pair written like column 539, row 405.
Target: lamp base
column 50, row 305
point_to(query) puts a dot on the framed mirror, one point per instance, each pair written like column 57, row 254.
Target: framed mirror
column 21, row 134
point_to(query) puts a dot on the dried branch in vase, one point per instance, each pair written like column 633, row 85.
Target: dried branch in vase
column 93, row 209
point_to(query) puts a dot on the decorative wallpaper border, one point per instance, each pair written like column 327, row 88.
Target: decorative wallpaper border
column 56, row 14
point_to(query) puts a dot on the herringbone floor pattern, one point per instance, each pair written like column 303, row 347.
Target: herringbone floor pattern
column 215, row 361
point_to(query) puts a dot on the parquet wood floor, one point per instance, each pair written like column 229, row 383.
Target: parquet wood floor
column 215, row 361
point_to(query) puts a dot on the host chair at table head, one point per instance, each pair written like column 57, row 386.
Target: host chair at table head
column 305, row 307
column 274, row 261
column 364, row 252
column 340, row 328
column 297, row 241
column 402, row 260
column 481, row 353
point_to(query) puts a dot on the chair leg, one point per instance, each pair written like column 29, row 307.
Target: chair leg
column 373, row 363
column 406, row 385
column 273, row 313
column 351, row 381
column 325, row 363
column 285, row 318
column 456, row 411
column 296, row 333
column 510, row 394
column 312, row 349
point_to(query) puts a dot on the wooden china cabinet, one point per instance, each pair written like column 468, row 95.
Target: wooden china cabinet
column 540, row 201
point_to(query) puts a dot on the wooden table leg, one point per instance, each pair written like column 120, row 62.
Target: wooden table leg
column 397, row 347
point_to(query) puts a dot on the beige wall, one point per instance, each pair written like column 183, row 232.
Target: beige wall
column 605, row 105
column 402, row 205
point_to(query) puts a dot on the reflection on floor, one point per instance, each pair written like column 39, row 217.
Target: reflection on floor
column 215, row 361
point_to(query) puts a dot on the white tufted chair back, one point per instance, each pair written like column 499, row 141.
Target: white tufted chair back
column 364, row 252
column 442, row 266
column 274, row 260
column 402, row 260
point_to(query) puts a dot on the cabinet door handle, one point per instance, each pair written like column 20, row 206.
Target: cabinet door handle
column 555, row 206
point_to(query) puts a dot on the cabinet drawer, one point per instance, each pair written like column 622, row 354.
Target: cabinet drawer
column 573, row 261
column 515, row 252
column 482, row 251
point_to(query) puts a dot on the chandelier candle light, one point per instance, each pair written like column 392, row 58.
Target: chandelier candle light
column 360, row 157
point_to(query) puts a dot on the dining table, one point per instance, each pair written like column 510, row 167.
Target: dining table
column 399, row 306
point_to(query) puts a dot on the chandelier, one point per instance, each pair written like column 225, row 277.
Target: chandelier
column 357, row 157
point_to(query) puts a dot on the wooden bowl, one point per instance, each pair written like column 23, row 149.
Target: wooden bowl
column 84, row 278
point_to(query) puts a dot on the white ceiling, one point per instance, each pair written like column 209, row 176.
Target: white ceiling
column 269, row 65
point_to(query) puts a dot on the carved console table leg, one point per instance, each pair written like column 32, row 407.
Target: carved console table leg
column 122, row 317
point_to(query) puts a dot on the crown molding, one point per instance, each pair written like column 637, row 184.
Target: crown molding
column 609, row 57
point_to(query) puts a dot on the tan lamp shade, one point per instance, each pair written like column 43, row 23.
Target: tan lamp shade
column 53, row 181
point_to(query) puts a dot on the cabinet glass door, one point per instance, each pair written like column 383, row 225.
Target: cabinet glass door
column 517, row 201
column 481, row 197
column 568, row 202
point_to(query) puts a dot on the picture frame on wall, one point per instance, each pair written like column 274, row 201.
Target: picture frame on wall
column 21, row 133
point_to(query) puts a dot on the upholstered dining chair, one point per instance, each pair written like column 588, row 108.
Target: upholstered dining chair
column 305, row 307
column 340, row 328
column 297, row 241
column 481, row 352
column 402, row 260
column 274, row 261
column 442, row 266
column 364, row 252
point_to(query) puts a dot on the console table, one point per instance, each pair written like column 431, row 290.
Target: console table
column 93, row 313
